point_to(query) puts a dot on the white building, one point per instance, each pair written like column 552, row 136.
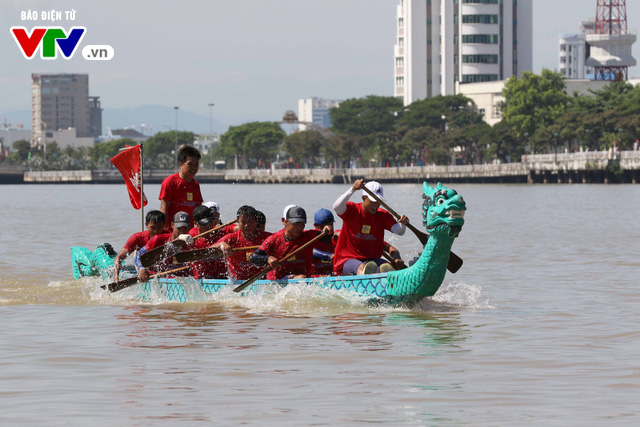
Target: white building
column 11, row 134
column 442, row 42
column 488, row 96
column 205, row 142
column 68, row 138
column 315, row 110
column 572, row 54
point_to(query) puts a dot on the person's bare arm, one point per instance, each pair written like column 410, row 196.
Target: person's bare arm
column 117, row 263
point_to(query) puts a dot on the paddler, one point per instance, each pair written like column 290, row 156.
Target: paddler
column 180, row 230
column 206, row 219
column 282, row 243
column 361, row 242
column 154, row 222
column 240, row 267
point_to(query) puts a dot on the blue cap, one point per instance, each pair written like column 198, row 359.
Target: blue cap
column 323, row 217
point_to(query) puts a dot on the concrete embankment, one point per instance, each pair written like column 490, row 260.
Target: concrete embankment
column 586, row 167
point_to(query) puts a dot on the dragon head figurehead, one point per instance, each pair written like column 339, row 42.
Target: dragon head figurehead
column 442, row 210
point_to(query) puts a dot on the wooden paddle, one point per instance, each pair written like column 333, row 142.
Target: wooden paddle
column 388, row 257
column 267, row 269
column 122, row 284
column 455, row 262
column 156, row 254
column 206, row 253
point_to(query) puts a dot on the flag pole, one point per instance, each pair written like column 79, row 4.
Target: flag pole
column 142, row 185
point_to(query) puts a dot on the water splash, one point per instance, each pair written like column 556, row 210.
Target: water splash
column 457, row 294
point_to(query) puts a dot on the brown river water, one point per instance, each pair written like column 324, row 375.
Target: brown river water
column 541, row 326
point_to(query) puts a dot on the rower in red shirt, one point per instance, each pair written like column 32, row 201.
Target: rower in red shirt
column 282, row 243
column 239, row 263
column 180, row 229
column 361, row 241
column 205, row 220
column 180, row 191
column 154, row 221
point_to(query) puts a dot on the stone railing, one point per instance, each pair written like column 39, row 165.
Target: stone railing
column 524, row 171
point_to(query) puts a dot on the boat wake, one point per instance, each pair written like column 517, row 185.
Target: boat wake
column 456, row 295
column 295, row 299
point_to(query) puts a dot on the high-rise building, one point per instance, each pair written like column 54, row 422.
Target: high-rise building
column 95, row 117
column 610, row 43
column 61, row 101
column 574, row 52
column 315, row 111
column 444, row 43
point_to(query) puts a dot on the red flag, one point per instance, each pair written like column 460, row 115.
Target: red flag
column 128, row 163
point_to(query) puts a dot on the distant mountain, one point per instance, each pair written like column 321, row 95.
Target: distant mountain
column 158, row 118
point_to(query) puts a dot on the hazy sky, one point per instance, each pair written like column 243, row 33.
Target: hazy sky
column 253, row 58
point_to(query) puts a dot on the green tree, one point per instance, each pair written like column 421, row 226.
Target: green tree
column 471, row 141
column 106, row 150
column 365, row 116
column 533, row 102
column 253, row 143
column 439, row 112
column 505, row 144
column 22, row 149
column 304, row 146
column 429, row 144
column 263, row 142
column 165, row 143
column 385, row 147
column 339, row 149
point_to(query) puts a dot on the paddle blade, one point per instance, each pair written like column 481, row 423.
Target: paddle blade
column 251, row 280
column 151, row 257
column 198, row 254
column 122, row 284
column 455, row 262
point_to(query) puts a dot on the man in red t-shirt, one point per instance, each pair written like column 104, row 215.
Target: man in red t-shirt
column 239, row 263
column 180, row 191
column 154, row 221
column 205, row 220
column 282, row 243
column 361, row 240
column 180, row 229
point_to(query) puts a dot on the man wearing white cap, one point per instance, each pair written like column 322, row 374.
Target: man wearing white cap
column 215, row 209
column 361, row 242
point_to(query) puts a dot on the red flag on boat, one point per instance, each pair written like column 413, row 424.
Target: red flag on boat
column 128, row 163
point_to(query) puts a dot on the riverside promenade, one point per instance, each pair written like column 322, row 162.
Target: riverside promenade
column 584, row 167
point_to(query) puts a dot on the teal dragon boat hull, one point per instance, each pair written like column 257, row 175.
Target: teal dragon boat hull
column 443, row 216
column 377, row 288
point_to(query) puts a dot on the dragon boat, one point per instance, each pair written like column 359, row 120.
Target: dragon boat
column 443, row 217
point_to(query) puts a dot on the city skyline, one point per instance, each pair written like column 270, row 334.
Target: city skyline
column 252, row 58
